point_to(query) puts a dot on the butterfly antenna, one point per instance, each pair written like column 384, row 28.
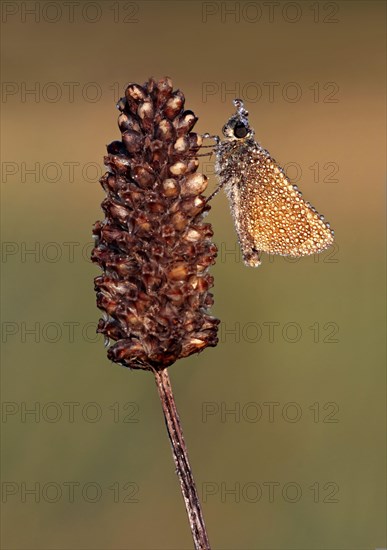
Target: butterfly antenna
column 240, row 107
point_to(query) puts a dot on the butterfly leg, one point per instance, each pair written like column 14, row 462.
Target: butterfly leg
column 217, row 141
column 209, row 136
column 252, row 257
column 217, row 189
column 201, row 155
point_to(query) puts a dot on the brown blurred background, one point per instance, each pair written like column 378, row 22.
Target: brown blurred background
column 285, row 419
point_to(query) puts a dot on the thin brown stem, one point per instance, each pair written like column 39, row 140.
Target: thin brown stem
column 180, row 456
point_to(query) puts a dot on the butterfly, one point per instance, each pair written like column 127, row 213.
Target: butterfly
column 269, row 212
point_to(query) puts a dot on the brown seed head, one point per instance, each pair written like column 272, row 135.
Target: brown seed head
column 153, row 246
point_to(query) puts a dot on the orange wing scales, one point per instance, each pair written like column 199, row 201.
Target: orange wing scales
column 269, row 212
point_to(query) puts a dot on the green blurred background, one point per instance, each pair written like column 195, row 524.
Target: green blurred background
column 285, row 419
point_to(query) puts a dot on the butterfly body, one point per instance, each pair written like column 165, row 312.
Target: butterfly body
column 269, row 212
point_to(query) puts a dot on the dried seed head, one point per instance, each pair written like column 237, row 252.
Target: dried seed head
column 153, row 246
column 174, row 105
column 194, row 184
column 170, row 187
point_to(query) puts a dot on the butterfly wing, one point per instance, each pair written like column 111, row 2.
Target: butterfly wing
column 272, row 216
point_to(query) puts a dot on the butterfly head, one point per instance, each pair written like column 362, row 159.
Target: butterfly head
column 237, row 127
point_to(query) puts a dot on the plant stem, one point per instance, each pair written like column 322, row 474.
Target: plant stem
column 180, row 456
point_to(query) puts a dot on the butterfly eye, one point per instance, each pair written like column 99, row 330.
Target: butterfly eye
column 240, row 130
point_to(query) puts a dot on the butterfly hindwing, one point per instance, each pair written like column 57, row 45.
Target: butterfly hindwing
column 277, row 220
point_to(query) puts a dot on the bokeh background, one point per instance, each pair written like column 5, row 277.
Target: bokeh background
column 285, row 419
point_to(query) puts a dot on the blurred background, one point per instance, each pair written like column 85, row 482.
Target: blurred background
column 285, row 418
